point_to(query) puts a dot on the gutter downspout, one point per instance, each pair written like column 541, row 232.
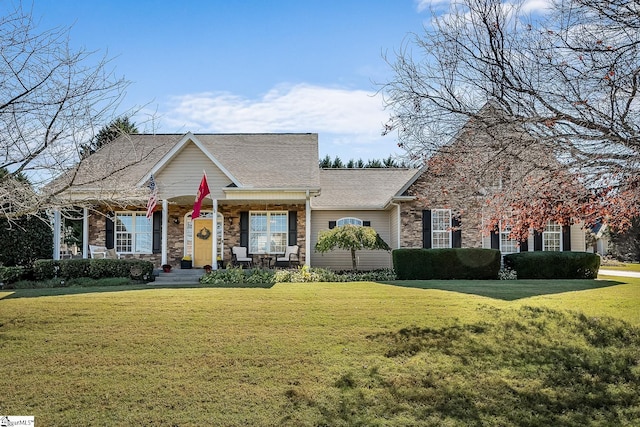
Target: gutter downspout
column 399, row 224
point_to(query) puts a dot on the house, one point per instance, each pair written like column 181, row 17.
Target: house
column 270, row 194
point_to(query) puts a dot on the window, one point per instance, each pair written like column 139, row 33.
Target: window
column 352, row 221
column 440, row 228
column 552, row 237
column 268, row 232
column 134, row 232
column 507, row 244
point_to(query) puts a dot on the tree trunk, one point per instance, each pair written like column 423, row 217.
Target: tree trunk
column 353, row 259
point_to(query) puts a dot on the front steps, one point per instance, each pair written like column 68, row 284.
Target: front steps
column 178, row 276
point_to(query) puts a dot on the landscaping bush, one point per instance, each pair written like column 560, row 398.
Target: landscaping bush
column 454, row 263
column 238, row 276
column 10, row 275
column 44, row 269
column 303, row 274
column 554, row 265
column 93, row 268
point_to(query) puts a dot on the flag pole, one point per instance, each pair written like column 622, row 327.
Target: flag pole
column 214, row 252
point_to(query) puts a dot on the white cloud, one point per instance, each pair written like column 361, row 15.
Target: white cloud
column 348, row 122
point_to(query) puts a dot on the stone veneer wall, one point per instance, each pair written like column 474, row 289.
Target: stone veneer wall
column 431, row 194
column 175, row 232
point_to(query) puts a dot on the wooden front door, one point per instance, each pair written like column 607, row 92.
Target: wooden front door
column 203, row 237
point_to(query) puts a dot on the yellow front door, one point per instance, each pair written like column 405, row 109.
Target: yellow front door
column 203, row 238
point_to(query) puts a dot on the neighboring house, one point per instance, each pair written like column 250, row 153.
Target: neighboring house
column 270, row 194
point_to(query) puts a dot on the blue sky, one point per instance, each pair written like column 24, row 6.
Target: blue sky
column 249, row 66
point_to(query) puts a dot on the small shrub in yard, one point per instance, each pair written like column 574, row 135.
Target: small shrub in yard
column 94, row 268
column 238, row 276
column 304, row 274
column 10, row 275
column 79, row 282
column 506, row 273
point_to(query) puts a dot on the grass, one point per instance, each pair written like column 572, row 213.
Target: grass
column 324, row 354
column 622, row 267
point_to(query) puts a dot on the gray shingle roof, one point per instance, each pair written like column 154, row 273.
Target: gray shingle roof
column 360, row 188
column 260, row 161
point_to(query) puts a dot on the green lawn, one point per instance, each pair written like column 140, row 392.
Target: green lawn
column 325, row 354
column 622, row 267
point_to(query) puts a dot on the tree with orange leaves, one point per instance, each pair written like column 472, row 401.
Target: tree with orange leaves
column 566, row 78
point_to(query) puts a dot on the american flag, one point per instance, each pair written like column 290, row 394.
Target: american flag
column 153, row 197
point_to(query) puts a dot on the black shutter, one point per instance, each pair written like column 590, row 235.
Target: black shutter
column 244, row 229
column 566, row 237
column 456, row 234
column 426, row 229
column 537, row 241
column 495, row 239
column 366, row 223
column 332, row 225
column 293, row 228
column 157, row 232
column 524, row 245
column 109, row 231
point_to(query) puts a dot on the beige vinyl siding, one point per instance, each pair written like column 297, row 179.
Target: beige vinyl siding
column 394, row 232
column 578, row 240
column 182, row 175
column 341, row 259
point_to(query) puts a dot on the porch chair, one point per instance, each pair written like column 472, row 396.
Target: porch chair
column 291, row 257
column 239, row 256
column 103, row 252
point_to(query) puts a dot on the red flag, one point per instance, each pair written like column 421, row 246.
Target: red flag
column 203, row 191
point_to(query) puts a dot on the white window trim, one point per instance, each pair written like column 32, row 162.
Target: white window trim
column 349, row 220
column 134, row 216
column 559, row 233
column 505, row 231
column 268, row 213
column 448, row 230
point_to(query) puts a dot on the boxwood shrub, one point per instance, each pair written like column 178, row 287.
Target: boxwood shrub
column 554, row 265
column 10, row 275
column 93, row 268
column 454, row 263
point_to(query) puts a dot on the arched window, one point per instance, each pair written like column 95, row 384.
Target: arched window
column 349, row 220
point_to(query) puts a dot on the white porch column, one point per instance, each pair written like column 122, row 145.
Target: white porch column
column 165, row 225
column 85, row 233
column 307, row 231
column 57, row 227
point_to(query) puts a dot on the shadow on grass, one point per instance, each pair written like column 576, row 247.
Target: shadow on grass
column 525, row 367
column 78, row 290
column 507, row 290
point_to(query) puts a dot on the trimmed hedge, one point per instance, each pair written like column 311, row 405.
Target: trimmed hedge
column 554, row 265
column 93, row 268
column 454, row 263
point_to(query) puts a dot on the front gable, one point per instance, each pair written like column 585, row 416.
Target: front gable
column 182, row 173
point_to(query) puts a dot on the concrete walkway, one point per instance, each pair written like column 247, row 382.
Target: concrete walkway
column 619, row 273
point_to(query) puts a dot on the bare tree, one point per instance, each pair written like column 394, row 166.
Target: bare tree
column 567, row 76
column 51, row 100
